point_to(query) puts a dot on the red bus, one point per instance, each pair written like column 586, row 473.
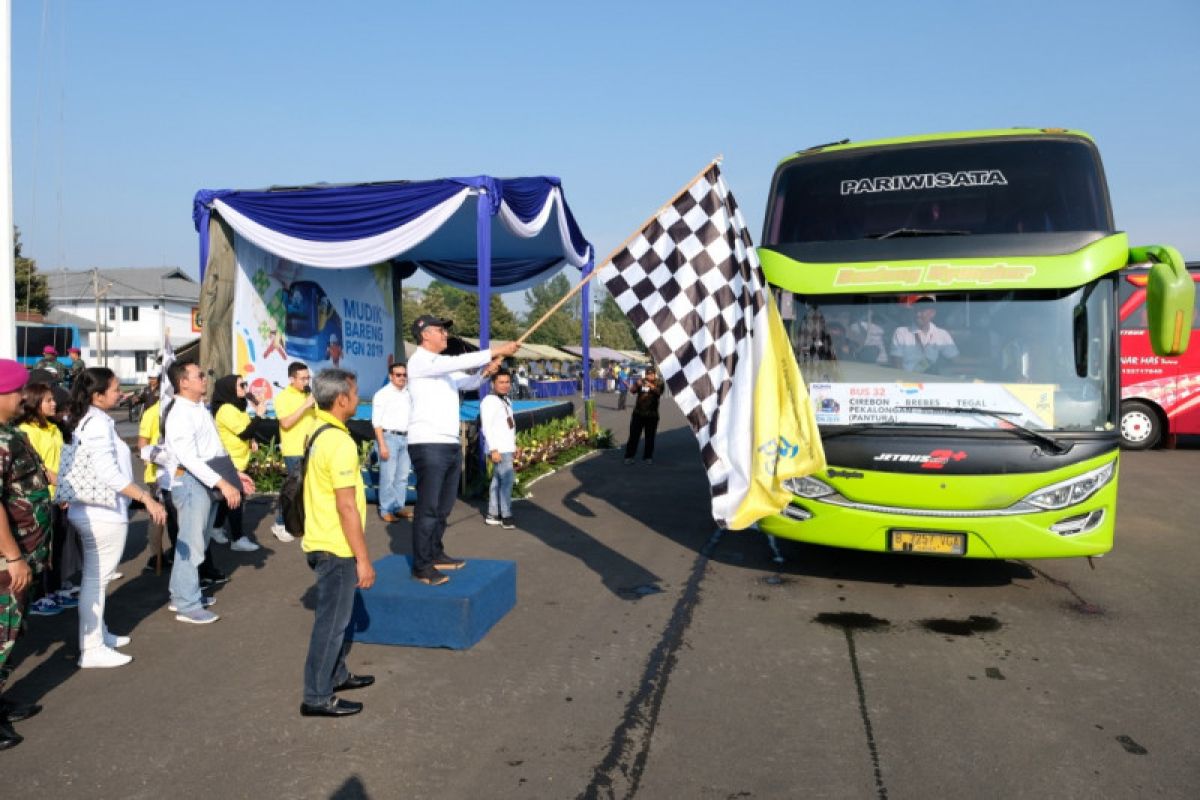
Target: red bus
column 1160, row 396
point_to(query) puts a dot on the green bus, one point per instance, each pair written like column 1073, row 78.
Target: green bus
column 952, row 302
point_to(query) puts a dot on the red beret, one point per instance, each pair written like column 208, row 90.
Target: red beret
column 13, row 376
column 49, row 350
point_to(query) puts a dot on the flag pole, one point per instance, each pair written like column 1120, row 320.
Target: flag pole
column 596, row 270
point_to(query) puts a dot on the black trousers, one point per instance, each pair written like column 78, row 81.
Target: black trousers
column 438, row 467
column 636, row 427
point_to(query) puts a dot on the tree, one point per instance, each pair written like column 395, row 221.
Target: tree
column 563, row 326
column 613, row 328
column 449, row 302
column 410, row 305
column 31, row 292
column 504, row 324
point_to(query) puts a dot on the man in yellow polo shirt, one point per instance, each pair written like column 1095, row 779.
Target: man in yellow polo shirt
column 295, row 409
column 335, row 513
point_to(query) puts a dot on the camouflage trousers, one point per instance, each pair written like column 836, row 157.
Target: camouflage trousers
column 12, row 616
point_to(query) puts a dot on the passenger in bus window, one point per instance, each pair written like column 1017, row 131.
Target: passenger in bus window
column 840, row 348
column 922, row 346
column 866, row 337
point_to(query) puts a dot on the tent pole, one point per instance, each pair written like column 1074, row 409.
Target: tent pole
column 589, row 408
column 483, row 257
column 586, row 298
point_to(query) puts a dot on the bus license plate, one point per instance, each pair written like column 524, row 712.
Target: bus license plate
column 933, row 542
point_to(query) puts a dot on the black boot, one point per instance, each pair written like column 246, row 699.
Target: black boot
column 8, row 737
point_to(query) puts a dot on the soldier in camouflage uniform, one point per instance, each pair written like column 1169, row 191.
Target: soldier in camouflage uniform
column 75, row 368
column 50, row 363
column 24, row 534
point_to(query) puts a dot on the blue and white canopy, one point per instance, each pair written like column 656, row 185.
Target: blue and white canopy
column 476, row 233
column 454, row 228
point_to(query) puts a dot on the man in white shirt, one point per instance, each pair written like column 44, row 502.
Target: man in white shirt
column 391, row 409
column 923, row 346
column 192, row 439
column 433, row 437
column 500, row 432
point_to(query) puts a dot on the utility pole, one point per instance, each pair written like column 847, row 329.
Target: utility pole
column 8, row 304
column 99, row 343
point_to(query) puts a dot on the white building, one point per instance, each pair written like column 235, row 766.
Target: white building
column 136, row 306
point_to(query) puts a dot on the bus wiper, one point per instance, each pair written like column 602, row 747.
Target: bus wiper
column 913, row 232
column 1049, row 443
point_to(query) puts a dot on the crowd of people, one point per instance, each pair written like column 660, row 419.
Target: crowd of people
column 68, row 484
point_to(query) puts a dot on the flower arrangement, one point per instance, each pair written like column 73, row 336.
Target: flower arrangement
column 542, row 443
column 545, row 447
column 266, row 467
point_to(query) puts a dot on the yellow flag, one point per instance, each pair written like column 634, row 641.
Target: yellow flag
column 786, row 442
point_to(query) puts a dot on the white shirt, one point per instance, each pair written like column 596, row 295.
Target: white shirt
column 97, row 433
column 919, row 350
column 193, row 440
column 496, row 420
column 433, row 382
column 391, row 408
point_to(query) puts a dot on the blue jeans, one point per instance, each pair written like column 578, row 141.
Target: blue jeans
column 393, row 474
column 288, row 461
column 500, row 492
column 325, row 666
column 438, row 467
column 196, row 512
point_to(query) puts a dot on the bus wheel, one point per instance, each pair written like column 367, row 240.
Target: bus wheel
column 1141, row 428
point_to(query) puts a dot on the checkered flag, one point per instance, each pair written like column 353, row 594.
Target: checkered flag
column 691, row 284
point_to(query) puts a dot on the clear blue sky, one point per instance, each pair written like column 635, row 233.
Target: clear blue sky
column 121, row 111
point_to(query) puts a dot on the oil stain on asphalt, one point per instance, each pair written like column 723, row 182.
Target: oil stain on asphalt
column 962, row 627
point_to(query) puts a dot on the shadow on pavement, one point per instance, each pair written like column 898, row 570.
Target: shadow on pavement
column 133, row 599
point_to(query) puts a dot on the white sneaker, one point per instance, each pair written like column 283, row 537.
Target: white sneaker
column 112, row 640
column 198, row 616
column 219, row 536
column 281, row 533
column 243, row 545
column 205, row 602
column 100, row 657
column 115, row 576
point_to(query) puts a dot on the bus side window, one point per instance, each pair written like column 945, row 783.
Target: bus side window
column 1136, row 321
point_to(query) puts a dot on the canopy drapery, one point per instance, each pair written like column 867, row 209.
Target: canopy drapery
column 477, row 233
column 606, row 353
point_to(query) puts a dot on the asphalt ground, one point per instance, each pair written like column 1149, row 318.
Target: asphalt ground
column 646, row 657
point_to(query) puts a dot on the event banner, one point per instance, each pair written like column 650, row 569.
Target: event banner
column 285, row 312
column 1029, row 404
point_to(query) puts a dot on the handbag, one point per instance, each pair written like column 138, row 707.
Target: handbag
column 78, row 479
column 224, row 467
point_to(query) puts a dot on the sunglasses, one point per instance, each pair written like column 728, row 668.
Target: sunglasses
column 243, row 386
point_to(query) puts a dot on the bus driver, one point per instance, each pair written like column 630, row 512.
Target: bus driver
column 922, row 346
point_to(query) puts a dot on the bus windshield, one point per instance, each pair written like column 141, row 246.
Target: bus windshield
column 943, row 188
column 1040, row 359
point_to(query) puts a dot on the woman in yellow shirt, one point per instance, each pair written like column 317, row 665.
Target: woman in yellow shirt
column 237, row 432
column 36, row 421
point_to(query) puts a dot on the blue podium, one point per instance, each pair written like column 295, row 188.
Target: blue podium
column 398, row 610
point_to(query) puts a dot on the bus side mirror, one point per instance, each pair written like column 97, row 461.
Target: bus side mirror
column 1170, row 299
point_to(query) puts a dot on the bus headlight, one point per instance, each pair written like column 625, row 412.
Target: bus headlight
column 808, row 487
column 1072, row 491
